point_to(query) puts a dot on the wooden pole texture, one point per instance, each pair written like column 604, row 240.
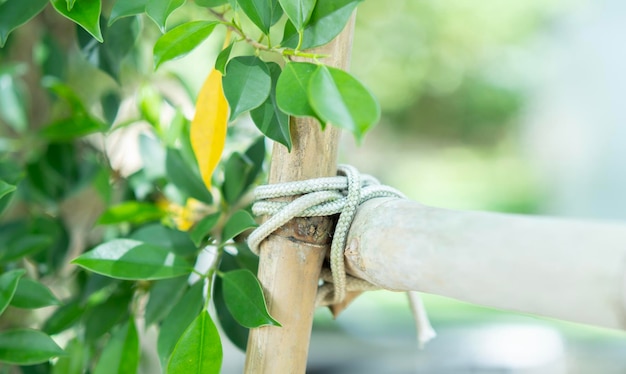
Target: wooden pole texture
column 291, row 258
column 565, row 269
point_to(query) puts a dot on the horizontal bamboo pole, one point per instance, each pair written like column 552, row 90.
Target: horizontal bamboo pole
column 566, row 269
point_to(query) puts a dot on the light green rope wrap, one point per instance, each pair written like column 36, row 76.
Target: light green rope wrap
column 321, row 197
column 325, row 197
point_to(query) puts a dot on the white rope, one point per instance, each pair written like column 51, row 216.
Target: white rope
column 324, row 197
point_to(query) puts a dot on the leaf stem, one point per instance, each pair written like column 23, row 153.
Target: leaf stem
column 300, row 39
column 262, row 47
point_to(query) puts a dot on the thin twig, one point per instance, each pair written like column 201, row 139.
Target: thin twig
column 259, row 46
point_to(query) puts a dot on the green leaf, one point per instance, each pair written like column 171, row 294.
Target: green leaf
column 80, row 122
column 101, row 318
column 298, row 11
column 256, row 154
column 131, row 211
column 70, row 4
column 263, row 13
column 164, row 294
column 236, row 224
column 53, row 258
column 199, row 349
column 329, row 17
column 245, row 258
column 27, row 347
column 31, row 294
column 65, row 92
column 119, row 40
column 121, row 353
column 292, row 89
column 61, row 170
column 118, row 43
column 165, row 237
column 16, row 13
column 222, row 58
column 150, row 103
column 211, row 3
column 84, row 13
column 269, row 118
column 160, row 10
column 244, row 299
column 73, row 127
column 177, row 321
column 342, row 100
column 181, row 40
column 125, row 8
column 236, row 333
column 63, row 318
column 24, row 245
column 133, row 260
column 13, row 111
column 54, row 60
column 110, row 102
column 247, row 84
column 76, row 360
column 236, row 172
column 203, row 228
column 8, row 286
column 186, row 178
column 6, row 190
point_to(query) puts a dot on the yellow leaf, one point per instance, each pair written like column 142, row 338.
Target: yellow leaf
column 208, row 127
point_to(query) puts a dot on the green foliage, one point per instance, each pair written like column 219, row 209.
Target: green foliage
column 8, row 286
column 133, row 260
column 139, row 228
column 27, row 347
column 222, row 59
column 121, row 353
column 268, row 117
column 329, row 17
column 247, row 84
column 131, row 211
column 31, row 294
column 236, row 224
column 164, row 294
column 15, row 13
column 85, row 13
column 181, row 40
column 6, row 190
column 119, row 40
column 203, row 228
column 160, row 10
column 244, row 299
column 185, row 177
column 292, row 89
column 339, row 98
column 126, row 8
column 198, row 350
column 177, row 321
column 263, row 13
column 298, row 11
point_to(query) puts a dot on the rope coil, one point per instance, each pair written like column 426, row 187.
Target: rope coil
column 325, row 197
column 321, row 197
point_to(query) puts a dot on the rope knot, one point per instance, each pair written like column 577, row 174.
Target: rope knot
column 341, row 195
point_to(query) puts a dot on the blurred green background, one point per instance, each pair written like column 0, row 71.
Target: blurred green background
column 489, row 105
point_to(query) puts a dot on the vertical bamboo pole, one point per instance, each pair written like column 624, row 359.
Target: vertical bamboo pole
column 291, row 259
